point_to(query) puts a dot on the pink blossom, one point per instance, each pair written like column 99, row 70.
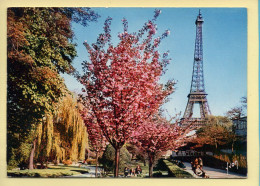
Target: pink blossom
column 91, row 67
column 120, row 84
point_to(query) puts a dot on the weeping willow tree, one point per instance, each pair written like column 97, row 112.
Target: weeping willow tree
column 62, row 134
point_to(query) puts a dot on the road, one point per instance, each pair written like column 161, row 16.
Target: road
column 214, row 173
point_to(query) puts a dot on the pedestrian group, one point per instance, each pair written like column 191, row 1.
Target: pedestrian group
column 197, row 167
column 132, row 171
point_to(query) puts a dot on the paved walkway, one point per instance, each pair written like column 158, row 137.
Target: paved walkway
column 90, row 174
column 214, row 173
column 211, row 172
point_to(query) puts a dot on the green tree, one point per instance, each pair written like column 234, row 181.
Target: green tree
column 40, row 47
column 108, row 158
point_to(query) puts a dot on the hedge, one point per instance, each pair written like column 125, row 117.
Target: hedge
column 175, row 171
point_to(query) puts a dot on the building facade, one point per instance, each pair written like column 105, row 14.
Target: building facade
column 240, row 126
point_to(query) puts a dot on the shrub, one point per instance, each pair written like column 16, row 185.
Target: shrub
column 222, row 157
column 157, row 174
column 161, row 165
column 19, row 156
column 67, row 162
column 12, row 164
column 107, row 160
column 241, row 160
column 91, row 161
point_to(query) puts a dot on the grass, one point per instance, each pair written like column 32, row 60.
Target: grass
column 145, row 170
column 175, row 171
column 64, row 170
column 50, row 172
column 157, row 171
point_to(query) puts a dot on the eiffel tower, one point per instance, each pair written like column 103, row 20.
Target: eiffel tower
column 197, row 93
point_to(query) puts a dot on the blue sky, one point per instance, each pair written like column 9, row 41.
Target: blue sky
column 224, row 50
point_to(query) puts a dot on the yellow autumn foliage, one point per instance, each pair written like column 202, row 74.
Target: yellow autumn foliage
column 62, row 134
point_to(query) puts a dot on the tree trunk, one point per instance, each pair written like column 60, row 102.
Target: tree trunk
column 32, row 155
column 96, row 164
column 150, row 167
column 117, row 154
column 144, row 162
column 88, row 152
column 232, row 147
column 42, row 166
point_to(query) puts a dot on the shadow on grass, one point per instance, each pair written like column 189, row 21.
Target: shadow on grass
column 55, row 168
column 80, row 171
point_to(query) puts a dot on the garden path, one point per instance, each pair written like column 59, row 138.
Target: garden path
column 90, row 174
column 214, row 173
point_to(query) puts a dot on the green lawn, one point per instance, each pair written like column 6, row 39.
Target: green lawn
column 50, row 172
column 157, row 171
column 63, row 170
column 145, row 170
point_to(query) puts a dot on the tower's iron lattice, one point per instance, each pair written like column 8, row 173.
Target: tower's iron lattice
column 197, row 93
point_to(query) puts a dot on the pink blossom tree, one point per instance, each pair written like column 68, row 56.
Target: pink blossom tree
column 121, row 83
column 157, row 135
column 96, row 138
